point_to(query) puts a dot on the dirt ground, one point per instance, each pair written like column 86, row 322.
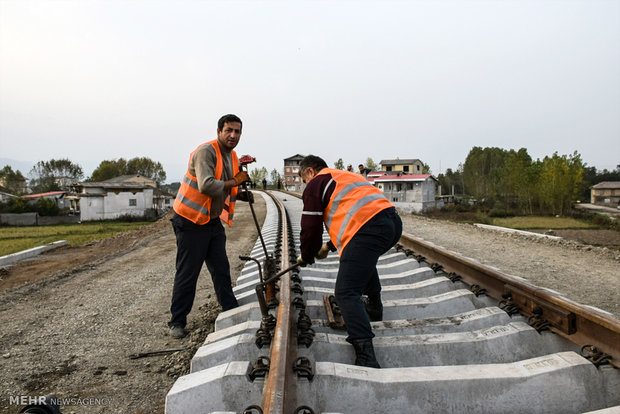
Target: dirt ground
column 71, row 329
column 585, row 273
column 71, row 318
column 601, row 238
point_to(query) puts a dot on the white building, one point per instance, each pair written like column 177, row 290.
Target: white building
column 411, row 193
column 117, row 197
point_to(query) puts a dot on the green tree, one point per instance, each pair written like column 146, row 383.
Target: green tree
column 54, row 175
column 13, row 181
column 451, row 181
column 426, row 169
column 483, row 173
column 560, row 180
column 143, row 166
column 339, row 165
column 520, row 180
column 275, row 176
column 147, row 168
column 109, row 169
column 258, row 175
column 371, row 164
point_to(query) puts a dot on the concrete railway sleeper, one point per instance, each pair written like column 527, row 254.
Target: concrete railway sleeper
column 443, row 346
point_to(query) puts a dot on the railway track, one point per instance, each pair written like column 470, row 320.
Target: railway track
column 456, row 337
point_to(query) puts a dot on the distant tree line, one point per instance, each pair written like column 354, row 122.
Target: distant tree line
column 136, row 166
column 510, row 182
column 504, row 181
column 60, row 174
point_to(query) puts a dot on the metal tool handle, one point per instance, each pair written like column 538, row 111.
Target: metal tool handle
column 247, row 195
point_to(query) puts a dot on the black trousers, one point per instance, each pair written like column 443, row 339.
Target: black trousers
column 358, row 274
column 197, row 245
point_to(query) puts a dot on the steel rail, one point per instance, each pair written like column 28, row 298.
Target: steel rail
column 275, row 398
column 579, row 324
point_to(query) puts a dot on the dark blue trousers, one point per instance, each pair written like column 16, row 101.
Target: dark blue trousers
column 358, row 274
column 197, row 245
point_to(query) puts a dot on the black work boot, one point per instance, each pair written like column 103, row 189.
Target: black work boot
column 364, row 353
column 374, row 308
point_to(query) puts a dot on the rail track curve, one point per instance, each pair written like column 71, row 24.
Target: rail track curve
column 456, row 337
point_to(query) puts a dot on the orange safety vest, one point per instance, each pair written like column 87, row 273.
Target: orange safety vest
column 353, row 202
column 196, row 206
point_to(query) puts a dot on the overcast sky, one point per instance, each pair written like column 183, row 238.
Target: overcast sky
column 100, row 80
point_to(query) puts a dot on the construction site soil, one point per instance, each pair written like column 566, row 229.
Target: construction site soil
column 72, row 317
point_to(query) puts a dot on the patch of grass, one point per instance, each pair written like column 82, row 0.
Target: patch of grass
column 458, row 213
column 541, row 222
column 15, row 239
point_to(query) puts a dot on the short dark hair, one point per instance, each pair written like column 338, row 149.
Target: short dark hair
column 228, row 118
column 312, row 161
column 361, row 165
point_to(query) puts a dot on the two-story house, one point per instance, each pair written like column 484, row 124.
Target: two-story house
column 405, row 166
column 606, row 193
column 292, row 180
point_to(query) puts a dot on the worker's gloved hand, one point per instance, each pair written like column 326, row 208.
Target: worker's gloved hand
column 323, row 252
column 243, row 196
column 241, row 177
column 301, row 262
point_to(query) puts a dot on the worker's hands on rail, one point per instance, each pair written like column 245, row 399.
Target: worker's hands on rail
column 241, row 177
column 323, row 252
column 301, row 262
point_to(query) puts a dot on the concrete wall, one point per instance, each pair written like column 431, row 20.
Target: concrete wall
column 112, row 205
column 47, row 220
column 33, row 219
column 418, row 207
column 22, row 219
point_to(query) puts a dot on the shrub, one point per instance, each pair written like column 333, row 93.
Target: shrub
column 13, row 206
column 47, row 207
column 605, row 221
column 128, row 218
column 458, row 212
column 502, row 212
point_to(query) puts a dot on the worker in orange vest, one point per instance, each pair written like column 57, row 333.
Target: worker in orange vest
column 362, row 225
column 206, row 198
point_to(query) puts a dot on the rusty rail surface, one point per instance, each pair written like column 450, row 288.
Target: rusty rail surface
column 579, row 324
column 275, row 399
